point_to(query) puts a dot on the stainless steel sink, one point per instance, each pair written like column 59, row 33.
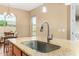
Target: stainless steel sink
column 41, row 46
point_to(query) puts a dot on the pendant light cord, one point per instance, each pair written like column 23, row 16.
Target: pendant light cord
column 8, row 9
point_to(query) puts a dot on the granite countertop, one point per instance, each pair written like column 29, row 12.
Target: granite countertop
column 68, row 47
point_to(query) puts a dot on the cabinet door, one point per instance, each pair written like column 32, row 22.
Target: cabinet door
column 16, row 51
column 10, row 49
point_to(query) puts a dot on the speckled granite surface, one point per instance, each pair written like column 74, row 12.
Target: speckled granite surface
column 68, row 47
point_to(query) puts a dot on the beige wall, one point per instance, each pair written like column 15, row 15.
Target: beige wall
column 22, row 20
column 68, row 22
column 57, row 18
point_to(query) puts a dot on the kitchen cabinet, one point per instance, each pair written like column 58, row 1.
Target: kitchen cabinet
column 14, row 51
column 10, row 49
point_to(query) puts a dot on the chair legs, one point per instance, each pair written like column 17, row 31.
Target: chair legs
column 6, row 49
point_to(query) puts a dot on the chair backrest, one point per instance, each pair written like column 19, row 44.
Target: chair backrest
column 8, row 34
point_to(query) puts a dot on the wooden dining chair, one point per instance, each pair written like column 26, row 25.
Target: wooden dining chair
column 7, row 35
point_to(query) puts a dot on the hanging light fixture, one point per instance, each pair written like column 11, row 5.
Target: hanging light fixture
column 8, row 14
column 44, row 9
column 5, row 13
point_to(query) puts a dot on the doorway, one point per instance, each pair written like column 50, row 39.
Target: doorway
column 73, row 22
column 77, row 19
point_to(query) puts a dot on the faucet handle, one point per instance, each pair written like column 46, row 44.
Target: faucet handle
column 51, row 36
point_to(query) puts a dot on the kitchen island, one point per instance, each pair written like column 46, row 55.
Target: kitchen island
column 68, row 47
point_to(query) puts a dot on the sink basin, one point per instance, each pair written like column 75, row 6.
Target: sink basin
column 41, row 46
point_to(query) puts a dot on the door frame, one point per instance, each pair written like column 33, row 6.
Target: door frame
column 72, row 17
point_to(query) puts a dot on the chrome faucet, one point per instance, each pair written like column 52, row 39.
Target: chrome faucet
column 49, row 37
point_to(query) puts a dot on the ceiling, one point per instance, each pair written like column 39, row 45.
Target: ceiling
column 29, row 6
column 23, row 6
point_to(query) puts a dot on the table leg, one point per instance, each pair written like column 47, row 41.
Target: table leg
column 4, row 46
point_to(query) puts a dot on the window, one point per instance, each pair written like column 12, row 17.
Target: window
column 33, row 25
column 2, row 20
column 11, row 20
column 8, row 21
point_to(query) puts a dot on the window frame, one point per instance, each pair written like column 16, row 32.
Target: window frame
column 33, row 25
column 5, row 22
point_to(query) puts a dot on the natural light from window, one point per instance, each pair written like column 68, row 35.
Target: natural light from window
column 7, row 23
column 33, row 26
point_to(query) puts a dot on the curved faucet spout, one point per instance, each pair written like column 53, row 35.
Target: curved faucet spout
column 49, row 37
